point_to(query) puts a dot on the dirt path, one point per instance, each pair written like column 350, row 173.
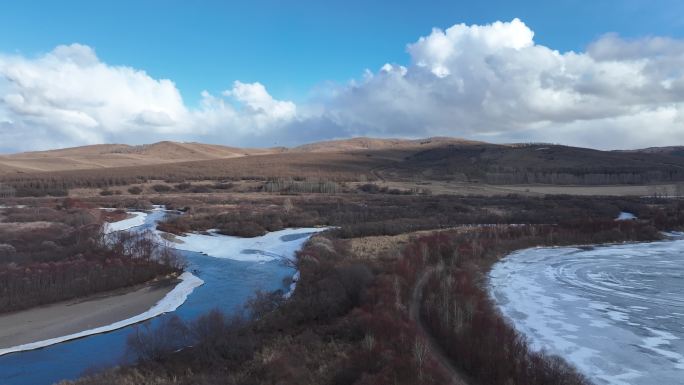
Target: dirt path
column 435, row 349
column 375, row 172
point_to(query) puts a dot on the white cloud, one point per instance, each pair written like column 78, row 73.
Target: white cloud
column 490, row 82
column 71, row 92
column 73, row 98
column 259, row 102
column 440, row 51
column 493, row 82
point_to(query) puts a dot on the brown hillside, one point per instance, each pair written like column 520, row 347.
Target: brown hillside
column 122, row 155
column 438, row 159
column 364, row 143
column 538, row 163
column 670, row 150
column 119, row 155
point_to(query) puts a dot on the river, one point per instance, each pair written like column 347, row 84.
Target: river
column 616, row 312
column 228, row 283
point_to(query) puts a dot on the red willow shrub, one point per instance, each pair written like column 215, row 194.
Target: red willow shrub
column 391, row 350
column 457, row 309
column 380, row 214
column 69, row 257
column 349, row 321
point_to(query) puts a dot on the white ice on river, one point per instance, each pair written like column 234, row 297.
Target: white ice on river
column 275, row 245
column 615, row 312
column 271, row 246
column 278, row 245
column 137, row 219
column 625, row 216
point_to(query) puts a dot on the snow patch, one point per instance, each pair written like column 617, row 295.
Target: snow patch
column 625, row 216
column 173, row 299
column 659, row 339
column 275, row 245
column 138, row 219
column 293, row 285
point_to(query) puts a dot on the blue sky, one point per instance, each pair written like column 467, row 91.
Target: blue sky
column 601, row 74
column 292, row 46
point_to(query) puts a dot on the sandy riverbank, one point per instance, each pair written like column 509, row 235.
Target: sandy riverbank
column 69, row 318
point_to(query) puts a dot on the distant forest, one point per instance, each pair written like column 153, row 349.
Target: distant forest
column 491, row 164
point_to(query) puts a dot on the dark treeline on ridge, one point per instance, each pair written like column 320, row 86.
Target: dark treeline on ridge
column 466, row 163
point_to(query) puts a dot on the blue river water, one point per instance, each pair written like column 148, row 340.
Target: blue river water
column 228, row 284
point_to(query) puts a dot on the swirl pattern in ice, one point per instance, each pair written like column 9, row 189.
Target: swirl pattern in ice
column 616, row 312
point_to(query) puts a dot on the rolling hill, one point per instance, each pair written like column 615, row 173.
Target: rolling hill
column 539, row 164
column 120, row 155
column 377, row 144
column 439, row 159
column 669, row 150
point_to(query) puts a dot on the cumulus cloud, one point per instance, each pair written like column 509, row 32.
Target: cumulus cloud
column 259, row 102
column 69, row 97
column 493, row 82
column 489, row 82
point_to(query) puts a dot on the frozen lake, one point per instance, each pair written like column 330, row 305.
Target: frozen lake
column 615, row 312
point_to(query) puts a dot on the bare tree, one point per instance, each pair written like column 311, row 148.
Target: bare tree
column 679, row 190
column 7, row 191
column 287, row 205
column 420, row 354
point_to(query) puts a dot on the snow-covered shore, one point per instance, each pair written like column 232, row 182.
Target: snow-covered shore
column 293, row 284
column 171, row 301
column 138, row 219
column 278, row 245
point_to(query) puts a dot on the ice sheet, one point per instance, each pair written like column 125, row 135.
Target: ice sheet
column 611, row 311
column 275, row 245
column 138, row 219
